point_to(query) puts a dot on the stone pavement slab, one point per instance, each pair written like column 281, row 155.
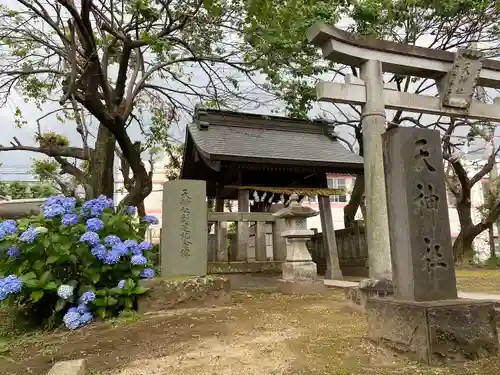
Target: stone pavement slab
column 342, row 284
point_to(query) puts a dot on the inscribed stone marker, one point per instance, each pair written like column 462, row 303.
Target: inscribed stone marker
column 421, row 248
column 184, row 228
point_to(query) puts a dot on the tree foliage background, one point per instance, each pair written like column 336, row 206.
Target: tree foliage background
column 293, row 68
column 109, row 67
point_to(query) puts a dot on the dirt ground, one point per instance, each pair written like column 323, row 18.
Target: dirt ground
column 260, row 332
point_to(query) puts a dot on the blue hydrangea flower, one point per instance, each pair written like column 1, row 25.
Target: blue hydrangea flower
column 65, row 291
column 81, row 309
column 69, row 219
column 95, row 224
column 29, row 235
column 91, row 238
column 87, row 297
column 73, row 309
column 121, row 284
column 71, row 320
column 68, row 204
column 120, row 248
column 112, row 240
column 8, row 226
column 130, row 243
column 13, row 252
column 86, row 318
column 53, row 211
column 148, row 273
column 2, row 234
column 99, row 251
column 131, row 210
column 138, row 260
column 145, row 246
column 112, row 257
column 150, row 219
column 10, row 285
column 95, row 207
column 136, row 250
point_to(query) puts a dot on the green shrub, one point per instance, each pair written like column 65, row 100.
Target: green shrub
column 74, row 261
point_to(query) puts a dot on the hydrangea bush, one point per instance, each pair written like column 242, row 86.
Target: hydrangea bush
column 75, row 261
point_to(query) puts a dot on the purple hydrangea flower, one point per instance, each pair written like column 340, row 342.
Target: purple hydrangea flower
column 150, row 219
column 99, row 251
column 29, row 235
column 112, row 240
column 12, row 252
column 145, row 246
column 8, row 226
column 112, row 257
column 95, row 224
column 71, row 320
column 91, row 238
column 87, row 297
column 148, row 273
column 69, row 219
column 121, row 284
column 138, row 260
column 131, row 210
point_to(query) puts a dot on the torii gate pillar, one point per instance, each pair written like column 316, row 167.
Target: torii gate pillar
column 376, row 221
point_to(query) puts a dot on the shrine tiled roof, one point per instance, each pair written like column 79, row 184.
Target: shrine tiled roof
column 244, row 137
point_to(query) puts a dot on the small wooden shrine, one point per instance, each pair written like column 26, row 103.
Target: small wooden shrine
column 264, row 159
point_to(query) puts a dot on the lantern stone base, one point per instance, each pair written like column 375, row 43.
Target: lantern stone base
column 300, row 278
column 306, row 271
column 437, row 332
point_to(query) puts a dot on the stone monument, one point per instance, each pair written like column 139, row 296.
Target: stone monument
column 184, row 235
column 425, row 320
column 299, row 271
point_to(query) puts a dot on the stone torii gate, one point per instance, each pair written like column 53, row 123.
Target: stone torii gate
column 456, row 76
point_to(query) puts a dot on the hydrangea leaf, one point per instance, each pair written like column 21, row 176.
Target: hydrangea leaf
column 37, row 295
column 60, row 304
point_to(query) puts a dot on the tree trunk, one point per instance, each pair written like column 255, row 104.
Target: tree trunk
column 491, row 237
column 463, row 248
column 102, row 164
column 356, row 200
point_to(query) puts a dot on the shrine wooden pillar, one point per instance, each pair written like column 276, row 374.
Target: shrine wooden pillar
column 221, row 252
column 329, row 242
column 242, row 230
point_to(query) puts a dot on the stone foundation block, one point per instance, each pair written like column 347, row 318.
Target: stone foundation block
column 76, row 367
column 299, row 271
column 356, row 298
column 301, row 287
column 437, row 332
column 169, row 293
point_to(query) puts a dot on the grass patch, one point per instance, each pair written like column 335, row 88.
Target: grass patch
column 478, row 280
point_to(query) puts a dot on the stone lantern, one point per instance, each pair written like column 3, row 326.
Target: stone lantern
column 299, row 271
